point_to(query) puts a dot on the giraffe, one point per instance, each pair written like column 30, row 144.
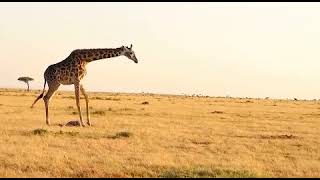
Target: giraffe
column 72, row 70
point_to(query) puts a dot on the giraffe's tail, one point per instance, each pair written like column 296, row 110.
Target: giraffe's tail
column 41, row 95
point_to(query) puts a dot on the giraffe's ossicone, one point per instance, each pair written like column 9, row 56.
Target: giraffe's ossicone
column 72, row 70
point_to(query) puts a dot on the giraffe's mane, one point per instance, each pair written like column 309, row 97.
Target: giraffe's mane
column 101, row 48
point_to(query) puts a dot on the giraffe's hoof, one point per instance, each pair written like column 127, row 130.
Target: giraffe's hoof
column 89, row 124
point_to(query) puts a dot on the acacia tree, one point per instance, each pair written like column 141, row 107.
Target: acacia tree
column 26, row 80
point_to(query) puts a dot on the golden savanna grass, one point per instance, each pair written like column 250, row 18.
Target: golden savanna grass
column 149, row 135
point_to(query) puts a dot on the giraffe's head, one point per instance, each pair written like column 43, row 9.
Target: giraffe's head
column 129, row 53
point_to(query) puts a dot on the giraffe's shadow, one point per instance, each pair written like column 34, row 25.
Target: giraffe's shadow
column 72, row 123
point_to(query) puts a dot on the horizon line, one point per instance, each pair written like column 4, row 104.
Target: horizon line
column 173, row 94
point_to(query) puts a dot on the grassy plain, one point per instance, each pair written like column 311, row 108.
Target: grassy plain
column 150, row 135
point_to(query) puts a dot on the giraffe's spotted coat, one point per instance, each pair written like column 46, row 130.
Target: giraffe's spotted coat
column 73, row 69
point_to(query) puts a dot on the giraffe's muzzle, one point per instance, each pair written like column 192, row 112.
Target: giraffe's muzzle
column 135, row 60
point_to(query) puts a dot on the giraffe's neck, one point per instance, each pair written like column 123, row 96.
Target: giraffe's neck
column 89, row 55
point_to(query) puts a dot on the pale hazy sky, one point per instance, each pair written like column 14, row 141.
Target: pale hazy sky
column 217, row 49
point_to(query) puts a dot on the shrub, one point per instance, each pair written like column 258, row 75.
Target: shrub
column 40, row 132
column 145, row 102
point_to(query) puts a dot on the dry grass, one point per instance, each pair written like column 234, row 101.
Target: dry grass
column 172, row 136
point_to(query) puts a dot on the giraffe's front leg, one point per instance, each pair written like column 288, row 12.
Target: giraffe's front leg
column 77, row 94
column 87, row 103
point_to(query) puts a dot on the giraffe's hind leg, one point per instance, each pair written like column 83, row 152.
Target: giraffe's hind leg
column 77, row 94
column 87, row 103
column 53, row 87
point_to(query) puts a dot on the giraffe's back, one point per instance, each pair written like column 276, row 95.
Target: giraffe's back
column 65, row 72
